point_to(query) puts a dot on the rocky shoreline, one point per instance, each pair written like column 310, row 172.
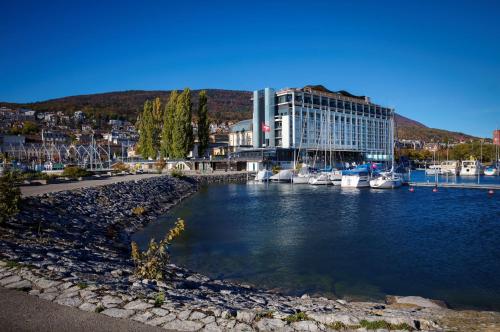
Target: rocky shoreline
column 73, row 248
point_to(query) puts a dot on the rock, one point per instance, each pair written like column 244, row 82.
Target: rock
column 70, row 301
column 118, row 313
column 88, row 307
column 186, row 325
column 159, row 312
column 45, row 283
column 10, row 280
column 34, row 292
column 242, row 327
column 197, row 315
column 22, row 284
column 270, row 324
column 245, row 316
column 183, row 315
column 305, row 325
column 212, row 327
column 138, row 305
column 161, row 320
column 415, row 301
column 330, row 318
column 109, row 301
column 142, row 317
column 48, row 296
column 208, row 320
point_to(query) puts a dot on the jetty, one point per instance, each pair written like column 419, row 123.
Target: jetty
column 485, row 186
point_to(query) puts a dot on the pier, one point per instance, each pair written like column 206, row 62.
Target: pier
column 456, row 185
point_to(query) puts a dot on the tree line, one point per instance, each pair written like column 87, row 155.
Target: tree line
column 166, row 131
column 485, row 152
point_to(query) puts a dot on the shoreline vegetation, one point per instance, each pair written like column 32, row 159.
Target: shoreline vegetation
column 73, row 248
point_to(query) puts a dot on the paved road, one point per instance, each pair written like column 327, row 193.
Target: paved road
column 43, row 189
column 22, row 312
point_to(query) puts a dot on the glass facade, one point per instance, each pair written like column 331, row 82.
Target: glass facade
column 329, row 121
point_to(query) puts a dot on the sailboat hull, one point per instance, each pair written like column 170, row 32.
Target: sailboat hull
column 381, row 183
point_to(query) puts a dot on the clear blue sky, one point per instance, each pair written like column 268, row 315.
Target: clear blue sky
column 437, row 62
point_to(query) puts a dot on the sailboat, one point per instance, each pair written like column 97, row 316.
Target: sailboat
column 388, row 180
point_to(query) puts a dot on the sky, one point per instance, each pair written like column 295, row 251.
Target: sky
column 437, row 62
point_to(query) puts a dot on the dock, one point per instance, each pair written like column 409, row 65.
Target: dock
column 484, row 186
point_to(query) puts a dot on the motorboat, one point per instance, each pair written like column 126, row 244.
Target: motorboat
column 356, row 178
column 470, row 167
column 490, row 171
column 433, row 169
column 263, row 175
column 284, row 175
column 386, row 180
column 449, row 167
column 320, row 179
column 336, row 178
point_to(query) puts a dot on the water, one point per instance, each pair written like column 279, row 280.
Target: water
column 358, row 244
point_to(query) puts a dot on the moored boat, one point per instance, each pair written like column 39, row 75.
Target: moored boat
column 470, row 167
column 490, row 171
column 284, row 175
column 387, row 180
column 263, row 175
column 356, row 178
column 320, row 179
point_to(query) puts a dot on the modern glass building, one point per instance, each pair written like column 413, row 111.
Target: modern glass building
column 315, row 120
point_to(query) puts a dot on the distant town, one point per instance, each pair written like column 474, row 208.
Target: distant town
column 40, row 140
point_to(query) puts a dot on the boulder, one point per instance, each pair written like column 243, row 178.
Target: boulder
column 415, row 301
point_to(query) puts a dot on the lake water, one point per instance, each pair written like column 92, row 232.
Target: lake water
column 358, row 244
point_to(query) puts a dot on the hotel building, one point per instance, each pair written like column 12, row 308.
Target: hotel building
column 315, row 120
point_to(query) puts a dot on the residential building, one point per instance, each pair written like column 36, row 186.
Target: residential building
column 314, row 118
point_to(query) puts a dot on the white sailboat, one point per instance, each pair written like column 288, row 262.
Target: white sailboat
column 388, row 180
column 336, row 177
column 285, row 175
column 320, row 179
column 263, row 175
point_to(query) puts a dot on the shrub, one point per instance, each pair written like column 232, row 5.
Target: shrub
column 160, row 165
column 297, row 317
column 74, row 172
column 159, row 299
column 10, row 196
column 177, row 173
column 381, row 324
column 99, row 309
column 276, row 169
column 139, row 210
column 151, row 264
column 121, row 166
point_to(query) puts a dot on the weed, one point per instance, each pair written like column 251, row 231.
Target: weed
column 297, row 317
column 82, row 285
column 159, row 299
column 99, row 309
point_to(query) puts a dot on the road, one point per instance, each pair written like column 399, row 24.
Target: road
column 22, row 312
column 54, row 187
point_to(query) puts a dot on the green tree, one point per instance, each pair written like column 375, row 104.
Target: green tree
column 203, row 124
column 146, row 131
column 168, row 125
column 182, row 134
column 10, row 196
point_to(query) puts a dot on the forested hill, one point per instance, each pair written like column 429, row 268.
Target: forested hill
column 223, row 105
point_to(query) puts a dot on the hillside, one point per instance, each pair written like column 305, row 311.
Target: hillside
column 223, row 105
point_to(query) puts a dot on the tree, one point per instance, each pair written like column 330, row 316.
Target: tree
column 182, row 134
column 146, row 132
column 10, row 196
column 168, row 125
column 203, row 124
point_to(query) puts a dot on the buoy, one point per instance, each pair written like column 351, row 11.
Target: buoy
column 434, row 190
column 412, row 189
column 490, row 192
